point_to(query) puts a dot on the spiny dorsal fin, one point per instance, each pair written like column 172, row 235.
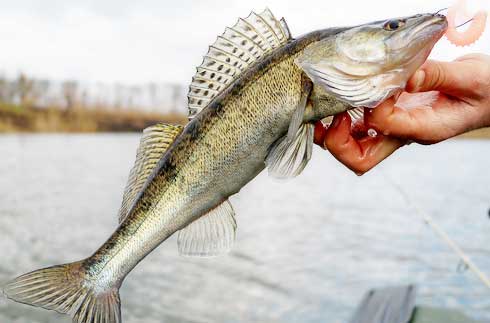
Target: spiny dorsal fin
column 153, row 144
column 210, row 235
column 234, row 51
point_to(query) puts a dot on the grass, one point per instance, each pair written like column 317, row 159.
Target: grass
column 16, row 118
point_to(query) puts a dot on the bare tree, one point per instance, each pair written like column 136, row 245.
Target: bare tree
column 134, row 98
column 118, row 96
column 152, row 93
column 4, row 89
column 39, row 93
column 70, row 91
column 24, row 87
column 176, row 97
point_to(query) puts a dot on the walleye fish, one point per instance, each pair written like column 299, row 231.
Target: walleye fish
column 252, row 104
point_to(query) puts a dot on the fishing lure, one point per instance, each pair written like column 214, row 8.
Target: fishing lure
column 474, row 31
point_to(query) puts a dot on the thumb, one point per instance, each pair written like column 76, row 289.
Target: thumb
column 447, row 77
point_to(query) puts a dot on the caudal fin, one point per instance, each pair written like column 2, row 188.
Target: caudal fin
column 65, row 289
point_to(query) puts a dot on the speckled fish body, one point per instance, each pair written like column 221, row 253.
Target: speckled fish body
column 217, row 153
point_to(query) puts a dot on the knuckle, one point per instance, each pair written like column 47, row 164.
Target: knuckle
column 485, row 80
column 481, row 87
column 438, row 76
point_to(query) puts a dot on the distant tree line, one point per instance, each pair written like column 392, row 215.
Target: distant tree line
column 26, row 91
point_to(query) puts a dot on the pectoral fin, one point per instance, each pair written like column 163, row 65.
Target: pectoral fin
column 289, row 155
column 287, row 158
column 299, row 113
column 211, row 235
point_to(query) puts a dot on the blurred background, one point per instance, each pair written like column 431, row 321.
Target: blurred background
column 80, row 79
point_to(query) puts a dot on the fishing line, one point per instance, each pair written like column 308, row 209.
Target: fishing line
column 465, row 259
column 441, row 10
column 461, row 25
column 464, row 23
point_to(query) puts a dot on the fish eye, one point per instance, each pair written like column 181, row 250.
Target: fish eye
column 394, row 24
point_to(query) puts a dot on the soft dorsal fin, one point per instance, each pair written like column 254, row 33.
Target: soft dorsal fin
column 234, row 51
column 153, row 144
column 210, row 235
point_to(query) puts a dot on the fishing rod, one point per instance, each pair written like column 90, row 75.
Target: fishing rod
column 464, row 258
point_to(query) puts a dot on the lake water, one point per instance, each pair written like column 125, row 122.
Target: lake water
column 307, row 249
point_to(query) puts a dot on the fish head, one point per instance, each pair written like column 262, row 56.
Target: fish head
column 367, row 64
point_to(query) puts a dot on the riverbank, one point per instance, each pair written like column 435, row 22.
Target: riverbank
column 15, row 118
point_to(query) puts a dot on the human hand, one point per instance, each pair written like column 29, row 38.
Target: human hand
column 463, row 104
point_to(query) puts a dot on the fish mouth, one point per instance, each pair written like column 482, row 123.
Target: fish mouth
column 432, row 28
column 429, row 29
column 419, row 39
column 414, row 46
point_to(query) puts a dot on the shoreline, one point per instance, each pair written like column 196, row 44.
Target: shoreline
column 31, row 120
column 18, row 119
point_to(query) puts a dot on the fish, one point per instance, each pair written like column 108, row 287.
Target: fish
column 252, row 105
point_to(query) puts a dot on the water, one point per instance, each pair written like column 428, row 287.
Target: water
column 307, row 249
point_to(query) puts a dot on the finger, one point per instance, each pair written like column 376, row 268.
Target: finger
column 388, row 119
column 375, row 150
column 338, row 135
column 358, row 155
column 422, row 124
column 447, row 77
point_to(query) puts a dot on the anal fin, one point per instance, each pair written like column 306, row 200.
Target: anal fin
column 211, row 235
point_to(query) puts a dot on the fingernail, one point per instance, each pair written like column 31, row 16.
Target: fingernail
column 419, row 79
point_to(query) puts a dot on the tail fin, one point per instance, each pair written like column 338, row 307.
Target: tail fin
column 65, row 289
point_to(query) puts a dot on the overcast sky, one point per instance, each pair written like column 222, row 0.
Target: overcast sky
column 143, row 41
